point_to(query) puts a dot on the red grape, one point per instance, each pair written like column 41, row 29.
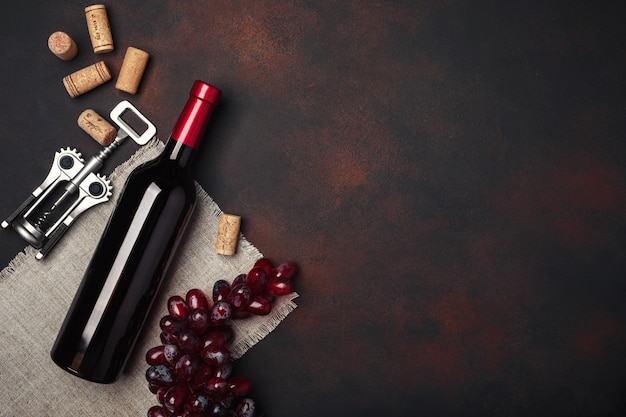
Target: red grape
column 278, row 287
column 215, row 355
column 167, row 338
column 198, row 403
column 189, row 342
column 171, row 325
column 156, row 411
column 172, row 353
column 246, row 408
column 217, row 388
column 239, row 279
column 286, row 270
column 177, row 306
column 159, row 375
column 238, row 386
column 218, row 336
column 265, row 264
column 160, row 394
column 217, row 410
column 186, row 368
column 256, row 280
column 221, row 312
column 224, row 370
column 156, row 356
column 239, row 296
column 176, row 397
column 199, row 321
column 197, row 299
column 221, row 289
column 260, row 305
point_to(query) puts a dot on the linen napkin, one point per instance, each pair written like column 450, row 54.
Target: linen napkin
column 35, row 296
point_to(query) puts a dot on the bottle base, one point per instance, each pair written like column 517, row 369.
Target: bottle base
column 70, row 370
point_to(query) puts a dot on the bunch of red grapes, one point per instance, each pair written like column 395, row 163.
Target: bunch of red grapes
column 190, row 372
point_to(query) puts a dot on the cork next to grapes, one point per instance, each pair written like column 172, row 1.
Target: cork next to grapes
column 227, row 234
column 97, row 127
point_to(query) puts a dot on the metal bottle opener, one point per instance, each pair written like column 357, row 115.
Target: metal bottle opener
column 71, row 187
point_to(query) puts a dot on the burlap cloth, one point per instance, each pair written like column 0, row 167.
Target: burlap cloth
column 35, row 296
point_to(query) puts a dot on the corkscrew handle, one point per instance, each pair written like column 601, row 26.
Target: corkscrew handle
column 140, row 138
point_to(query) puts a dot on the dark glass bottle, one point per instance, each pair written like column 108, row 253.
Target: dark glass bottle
column 132, row 257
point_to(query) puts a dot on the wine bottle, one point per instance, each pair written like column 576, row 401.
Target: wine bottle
column 134, row 252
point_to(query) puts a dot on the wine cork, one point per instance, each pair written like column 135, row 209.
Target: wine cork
column 62, row 45
column 86, row 79
column 97, row 127
column 133, row 67
column 99, row 28
column 227, row 234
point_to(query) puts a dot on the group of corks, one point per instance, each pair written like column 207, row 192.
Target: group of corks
column 131, row 72
column 88, row 78
column 133, row 67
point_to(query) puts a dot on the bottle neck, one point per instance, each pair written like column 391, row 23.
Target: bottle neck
column 191, row 125
column 179, row 153
column 194, row 118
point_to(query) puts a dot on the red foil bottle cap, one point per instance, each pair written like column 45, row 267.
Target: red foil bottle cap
column 194, row 118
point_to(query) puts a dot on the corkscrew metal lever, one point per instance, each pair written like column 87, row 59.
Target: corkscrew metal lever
column 71, row 187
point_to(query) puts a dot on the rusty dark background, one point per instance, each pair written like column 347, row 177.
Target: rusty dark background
column 449, row 175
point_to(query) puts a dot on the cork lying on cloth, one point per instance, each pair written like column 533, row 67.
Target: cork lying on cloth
column 35, row 296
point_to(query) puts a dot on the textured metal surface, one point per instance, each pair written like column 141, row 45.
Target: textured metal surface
column 451, row 177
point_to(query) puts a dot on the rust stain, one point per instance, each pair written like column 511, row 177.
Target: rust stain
column 571, row 195
column 472, row 339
